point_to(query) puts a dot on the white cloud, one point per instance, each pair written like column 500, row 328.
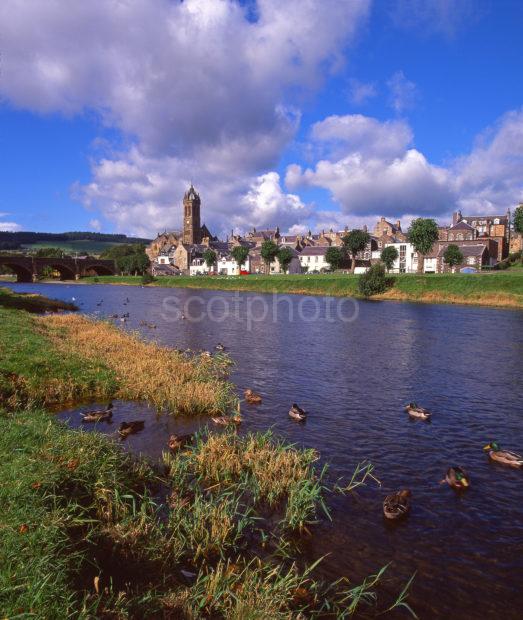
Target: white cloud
column 355, row 133
column 9, row 226
column 95, row 224
column 378, row 174
column 361, row 92
column 403, row 94
column 266, row 205
column 198, row 81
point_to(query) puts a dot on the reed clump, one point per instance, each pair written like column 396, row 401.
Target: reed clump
column 166, row 378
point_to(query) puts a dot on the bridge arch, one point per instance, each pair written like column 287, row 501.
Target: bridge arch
column 98, row 270
column 66, row 272
column 23, row 273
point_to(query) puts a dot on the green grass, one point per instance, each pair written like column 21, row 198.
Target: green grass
column 82, row 246
column 496, row 288
column 33, row 372
column 32, row 302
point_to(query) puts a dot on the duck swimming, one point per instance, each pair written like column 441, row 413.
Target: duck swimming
column 297, row 413
column 457, row 478
column 129, row 428
column 223, row 420
column 417, row 412
column 99, row 415
column 179, row 441
column 504, row 457
column 252, row 398
column 397, row 505
column 220, row 347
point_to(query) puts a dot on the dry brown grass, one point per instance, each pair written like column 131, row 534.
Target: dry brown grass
column 485, row 299
column 272, row 467
column 144, row 371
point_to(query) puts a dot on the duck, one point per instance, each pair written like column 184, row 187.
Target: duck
column 252, row 397
column 504, row 457
column 222, row 420
column 220, row 347
column 297, row 413
column 457, row 478
column 98, row 415
column 129, row 428
column 179, row 441
column 397, row 505
column 417, row 412
column 206, row 354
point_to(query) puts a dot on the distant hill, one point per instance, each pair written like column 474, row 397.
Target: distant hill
column 70, row 242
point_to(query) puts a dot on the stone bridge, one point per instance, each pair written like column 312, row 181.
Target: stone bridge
column 29, row 268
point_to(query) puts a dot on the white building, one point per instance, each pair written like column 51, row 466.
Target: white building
column 407, row 261
column 225, row 266
column 312, row 258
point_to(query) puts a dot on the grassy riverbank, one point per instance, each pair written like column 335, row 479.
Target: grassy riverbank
column 87, row 531
column 57, row 358
column 503, row 288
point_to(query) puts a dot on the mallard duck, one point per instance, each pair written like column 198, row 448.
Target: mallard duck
column 129, row 428
column 222, row 420
column 397, row 505
column 457, row 478
column 503, row 456
column 99, row 415
column 297, row 413
column 417, row 412
column 220, row 347
column 252, row 398
column 179, row 441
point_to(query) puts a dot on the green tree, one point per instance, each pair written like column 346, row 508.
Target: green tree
column 518, row 223
column 423, row 232
column 269, row 251
column 334, row 256
column 50, row 253
column 356, row 241
column 453, row 255
column 240, row 254
column 388, row 256
column 373, row 281
column 285, row 255
column 210, row 256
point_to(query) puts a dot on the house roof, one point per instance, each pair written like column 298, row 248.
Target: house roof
column 314, row 250
column 461, row 225
column 466, row 249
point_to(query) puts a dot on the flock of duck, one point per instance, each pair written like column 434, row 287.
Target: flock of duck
column 397, row 505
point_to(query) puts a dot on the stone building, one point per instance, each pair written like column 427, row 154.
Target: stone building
column 496, row 227
column 384, row 227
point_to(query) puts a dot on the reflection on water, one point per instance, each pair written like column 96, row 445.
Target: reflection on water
column 462, row 363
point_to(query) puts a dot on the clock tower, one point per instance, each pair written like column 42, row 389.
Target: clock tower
column 191, row 217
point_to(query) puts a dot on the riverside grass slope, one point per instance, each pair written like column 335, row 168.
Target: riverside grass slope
column 88, row 531
column 495, row 288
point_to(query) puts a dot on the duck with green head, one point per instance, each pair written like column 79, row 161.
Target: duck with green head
column 457, row 478
column 505, row 457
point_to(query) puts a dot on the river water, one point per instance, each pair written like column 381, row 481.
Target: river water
column 353, row 365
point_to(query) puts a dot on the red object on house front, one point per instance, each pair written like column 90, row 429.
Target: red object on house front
column 245, row 273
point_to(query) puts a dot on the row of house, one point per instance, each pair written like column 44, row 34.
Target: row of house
column 483, row 240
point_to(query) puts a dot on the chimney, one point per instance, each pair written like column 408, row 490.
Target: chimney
column 456, row 217
column 398, row 225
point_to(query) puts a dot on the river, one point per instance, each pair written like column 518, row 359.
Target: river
column 353, row 365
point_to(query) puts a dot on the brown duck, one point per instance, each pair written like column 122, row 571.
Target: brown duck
column 130, row 428
column 252, row 397
column 397, row 505
column 179, row 441
column 505, row 457
column 297, row 413
column 417, row 412
column 99, row 415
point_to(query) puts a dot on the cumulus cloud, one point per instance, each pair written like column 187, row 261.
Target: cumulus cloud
column 403, row 94
column 204, row 81
column 265, row 204
column 379, row 173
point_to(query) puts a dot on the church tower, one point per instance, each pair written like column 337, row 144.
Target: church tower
column 191, row 217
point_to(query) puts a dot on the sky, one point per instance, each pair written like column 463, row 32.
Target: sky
column 298, row 113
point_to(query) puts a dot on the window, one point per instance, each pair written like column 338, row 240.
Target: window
column 496, row 221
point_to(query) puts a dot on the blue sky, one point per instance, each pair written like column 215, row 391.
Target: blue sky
column 306, row 114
